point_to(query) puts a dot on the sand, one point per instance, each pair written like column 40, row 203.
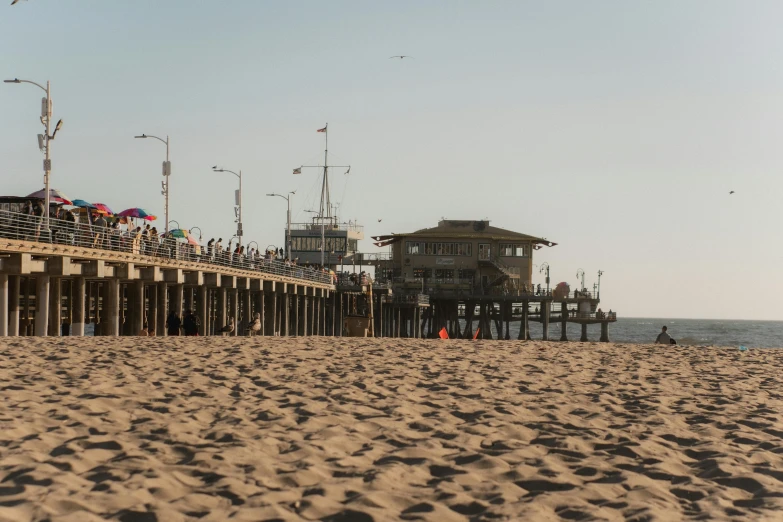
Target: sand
column 251, row 429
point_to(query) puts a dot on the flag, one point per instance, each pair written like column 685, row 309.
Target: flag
column 297, row 171
column 443, row 334
column 321, row 130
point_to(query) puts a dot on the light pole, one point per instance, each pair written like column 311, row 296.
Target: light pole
column 545, row 266
column 43, row 141
column 173, row 221
column 288, row 214
column 199, row 232
column 237, row 199
column 600, row 273
column 166, row 174
column 581, row 273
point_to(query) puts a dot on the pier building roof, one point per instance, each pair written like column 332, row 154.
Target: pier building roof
column 450, row 228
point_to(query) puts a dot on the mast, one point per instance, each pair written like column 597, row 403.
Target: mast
column 325, row 210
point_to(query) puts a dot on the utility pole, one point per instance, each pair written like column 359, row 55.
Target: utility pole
column 43, row 142
column 166, row 175
column 237, row 200
column 288, row 216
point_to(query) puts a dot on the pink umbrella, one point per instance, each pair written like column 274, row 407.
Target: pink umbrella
column 103, row 208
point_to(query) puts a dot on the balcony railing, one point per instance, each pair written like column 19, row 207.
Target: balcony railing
column 419, row 299
column 25, row 227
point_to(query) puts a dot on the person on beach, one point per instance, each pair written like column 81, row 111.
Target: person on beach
column 173, row 323
column 190, row 324
column 663, row 337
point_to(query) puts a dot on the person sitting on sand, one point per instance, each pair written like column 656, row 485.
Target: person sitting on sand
column 663, row 337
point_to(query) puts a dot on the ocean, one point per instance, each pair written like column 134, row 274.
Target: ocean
column 694, row 332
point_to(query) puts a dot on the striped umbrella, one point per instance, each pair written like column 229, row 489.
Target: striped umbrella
column 54, row 195
column 83, row 204
column 137, row 213
column 103, row 208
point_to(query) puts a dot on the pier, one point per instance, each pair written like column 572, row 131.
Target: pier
column 59, row 283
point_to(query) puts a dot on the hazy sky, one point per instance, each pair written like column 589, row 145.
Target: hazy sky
column 615, row 128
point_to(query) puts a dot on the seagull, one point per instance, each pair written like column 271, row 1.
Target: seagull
column 228, row 328
column 380, row 220
column 730, row 193
column 400, row 56
column 14, row 2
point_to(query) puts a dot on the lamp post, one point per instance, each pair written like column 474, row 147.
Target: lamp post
column 199, row 232
column 600, row 273
column 166, row 174
column 172, row 221
column 43, row 141
column 288, row 215
column 581, row 273
column 545, row 266
column 237, row 199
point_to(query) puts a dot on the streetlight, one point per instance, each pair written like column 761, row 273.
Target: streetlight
column 43, row 142
column 237, row 199
column 545, row 266
column 288, row 214
column 166, row 174
column 199, row 232
column 600, row 273
column 581, row 273
column 173, row 221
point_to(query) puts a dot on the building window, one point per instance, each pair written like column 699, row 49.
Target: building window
column 438, row 249
column 513, row 250
column 444, row 274
column 466, row 274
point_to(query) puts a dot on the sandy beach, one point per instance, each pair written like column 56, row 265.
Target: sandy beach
column 252, row 429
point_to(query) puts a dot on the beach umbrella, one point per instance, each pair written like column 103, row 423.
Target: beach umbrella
column 192, row 240
column 103, row 208
column 81, row 203
column 179, row 233
column 137, row 213
column 54, row 195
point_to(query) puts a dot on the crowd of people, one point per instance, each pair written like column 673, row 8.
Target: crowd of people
column 86, row 228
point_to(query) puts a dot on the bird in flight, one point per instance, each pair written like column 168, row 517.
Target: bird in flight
column 730, row 193
column 400, row 56
column 380, row 220
column 14, row 2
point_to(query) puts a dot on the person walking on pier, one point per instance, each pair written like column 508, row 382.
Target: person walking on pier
column 100, row 231
column 173, row 323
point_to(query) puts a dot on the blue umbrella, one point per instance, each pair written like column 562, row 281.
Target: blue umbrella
column 82, row 203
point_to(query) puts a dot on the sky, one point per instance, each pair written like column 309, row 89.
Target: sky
column 615, row 129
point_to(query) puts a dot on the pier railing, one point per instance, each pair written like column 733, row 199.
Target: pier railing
column 418, row 299
column 24, row 227
column 599, row 316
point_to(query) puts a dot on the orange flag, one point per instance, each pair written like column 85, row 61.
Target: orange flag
column 443, row 333
column 476, row 335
